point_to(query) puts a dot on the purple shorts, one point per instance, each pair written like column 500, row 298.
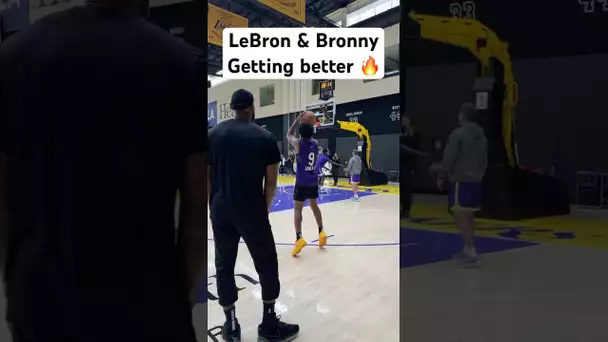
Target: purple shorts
column 465, row 196
column 354, row 178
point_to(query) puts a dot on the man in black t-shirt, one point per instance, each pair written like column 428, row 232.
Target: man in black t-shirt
column 101, row 121
column 242, row 157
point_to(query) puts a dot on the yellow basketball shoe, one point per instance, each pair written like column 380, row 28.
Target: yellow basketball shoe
column 300, row 244
column 322, row 239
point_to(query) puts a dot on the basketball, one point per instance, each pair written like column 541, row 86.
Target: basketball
column 308, row 118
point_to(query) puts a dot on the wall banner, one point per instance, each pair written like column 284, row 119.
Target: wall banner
column 212, row 113
column 218, row 20
column 295, row 9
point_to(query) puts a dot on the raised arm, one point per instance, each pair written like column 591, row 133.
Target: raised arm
column 291, row 134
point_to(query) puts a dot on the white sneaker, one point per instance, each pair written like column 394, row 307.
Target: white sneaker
column 464, row 259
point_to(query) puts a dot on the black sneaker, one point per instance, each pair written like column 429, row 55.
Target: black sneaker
column 230, row 335
column 277, row 331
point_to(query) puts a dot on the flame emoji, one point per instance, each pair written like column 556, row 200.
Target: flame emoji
column 370, row 68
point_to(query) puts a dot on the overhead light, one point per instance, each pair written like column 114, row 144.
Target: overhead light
column 369, row 10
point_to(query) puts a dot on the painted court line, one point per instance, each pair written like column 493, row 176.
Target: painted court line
column 380, row 244
column 328, row 236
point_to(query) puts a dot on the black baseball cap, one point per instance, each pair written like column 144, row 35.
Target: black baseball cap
column 241, row 99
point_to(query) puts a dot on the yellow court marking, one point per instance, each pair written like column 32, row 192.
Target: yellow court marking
column 343, row 184
column 566, row 230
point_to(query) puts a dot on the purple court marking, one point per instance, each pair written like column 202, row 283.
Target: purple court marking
column 284, row 197
column 284, row 201
column 421, row 247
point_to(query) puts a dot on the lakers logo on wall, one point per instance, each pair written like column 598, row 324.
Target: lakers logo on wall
column 219, row 19
column 295, row 9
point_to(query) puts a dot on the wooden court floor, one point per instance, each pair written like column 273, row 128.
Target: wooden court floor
column 345, row 292
column 542, row 280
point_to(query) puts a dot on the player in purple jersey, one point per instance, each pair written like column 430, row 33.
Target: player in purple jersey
column 307, row 186
column 324, row 166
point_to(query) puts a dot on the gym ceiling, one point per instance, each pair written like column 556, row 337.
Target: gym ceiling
column 316, row 16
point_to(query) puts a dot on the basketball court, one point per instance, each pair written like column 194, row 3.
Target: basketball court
column 345, row 292
column 541, row 279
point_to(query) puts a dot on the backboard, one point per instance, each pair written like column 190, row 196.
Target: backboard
column 325, row 112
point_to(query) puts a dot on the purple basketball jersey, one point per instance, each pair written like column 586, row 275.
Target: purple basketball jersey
column 306, row 168
column 323, row 159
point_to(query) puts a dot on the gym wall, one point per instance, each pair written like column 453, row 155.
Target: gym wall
column 379, row 115
column 433, row 105
column 561, row 115
column 294, row 95
column 568, row 27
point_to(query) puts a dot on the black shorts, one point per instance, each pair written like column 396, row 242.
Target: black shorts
column 303, row 192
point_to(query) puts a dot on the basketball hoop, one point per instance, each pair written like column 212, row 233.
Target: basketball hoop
column 316, row 126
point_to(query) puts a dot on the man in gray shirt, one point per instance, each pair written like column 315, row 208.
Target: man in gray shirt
column 465, row 160
column 353, row 169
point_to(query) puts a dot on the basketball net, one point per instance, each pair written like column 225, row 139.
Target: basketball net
column 317, row 125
